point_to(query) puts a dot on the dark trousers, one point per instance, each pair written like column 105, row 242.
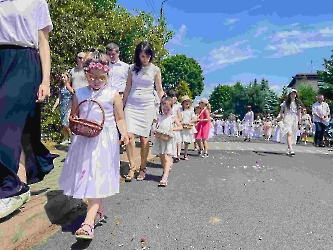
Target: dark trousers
column 319, row 134
column 20, row 77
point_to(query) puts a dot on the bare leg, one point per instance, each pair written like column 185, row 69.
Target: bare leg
column 66, row 132
column 93, row 207
column 130, row 155
column 144, row 151
column 178, row 149
column 289, row 140
column 198, row 141
column 186, row 148
column 205, row 145
column 167, row 160
column 22, row 173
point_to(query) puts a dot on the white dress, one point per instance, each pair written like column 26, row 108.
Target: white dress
column 248, row 124
column 187, row 135
column 164, row 124
column 290, row 122
column 91, row 168
column 140, row 108
column 177, row 106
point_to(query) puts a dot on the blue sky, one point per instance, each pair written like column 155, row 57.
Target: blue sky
column 254, row 39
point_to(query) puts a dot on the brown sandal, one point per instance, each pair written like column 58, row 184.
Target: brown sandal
column 86, row 234
column 142, row 174
column 131, row 174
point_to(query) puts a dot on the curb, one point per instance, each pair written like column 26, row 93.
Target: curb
column 39, row 218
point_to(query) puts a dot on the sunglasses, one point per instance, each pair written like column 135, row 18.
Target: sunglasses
column 80, row 57
column 101, row 78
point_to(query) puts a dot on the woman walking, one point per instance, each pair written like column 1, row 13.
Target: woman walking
column 139, row 103
column 291, row 114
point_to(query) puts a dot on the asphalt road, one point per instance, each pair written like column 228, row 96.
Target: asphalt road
column 244, row 196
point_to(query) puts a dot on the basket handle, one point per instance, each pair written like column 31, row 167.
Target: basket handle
column 103, row 113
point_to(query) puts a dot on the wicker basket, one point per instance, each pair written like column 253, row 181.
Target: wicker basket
column 162, row 136
column 187, row 126
column 84, row 127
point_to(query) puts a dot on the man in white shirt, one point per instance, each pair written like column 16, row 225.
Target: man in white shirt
column 118, row 69
column 77, row 73
column 118, row 73
column 320, row 113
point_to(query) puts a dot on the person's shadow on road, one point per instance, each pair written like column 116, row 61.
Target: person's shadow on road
column 65, row 211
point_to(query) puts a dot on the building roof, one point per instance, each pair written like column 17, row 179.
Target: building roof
column 298, row 76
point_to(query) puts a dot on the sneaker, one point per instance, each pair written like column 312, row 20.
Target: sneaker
column 292, row 153
column 25, row 193
column 186, row 158
column 205, row 155
column 9, row 205
column 200, row 152
column 288, row 151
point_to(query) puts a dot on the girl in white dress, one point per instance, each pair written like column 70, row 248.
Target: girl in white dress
column 188, row 117
column 176, row 113
column 91, row 168
column 165, row 149
column 291, row 114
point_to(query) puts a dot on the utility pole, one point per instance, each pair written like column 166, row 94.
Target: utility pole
column 161, row 11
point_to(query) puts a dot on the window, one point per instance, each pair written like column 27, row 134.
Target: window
column 320, row 84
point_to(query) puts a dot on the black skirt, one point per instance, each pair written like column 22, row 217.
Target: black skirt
column 20, row 77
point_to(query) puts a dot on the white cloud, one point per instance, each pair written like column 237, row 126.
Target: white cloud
column 327, row 32
column 226, row 55
column 260, row 31
column 229, row 21
column 178, row 38
column 292, row 42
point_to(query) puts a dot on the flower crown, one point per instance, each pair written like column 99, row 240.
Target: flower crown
column 98, row 65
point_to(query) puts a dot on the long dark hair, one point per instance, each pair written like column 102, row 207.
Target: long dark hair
column 297, row 101
column 145, row 47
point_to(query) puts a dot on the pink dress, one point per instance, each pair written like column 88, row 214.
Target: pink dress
column 203, row 127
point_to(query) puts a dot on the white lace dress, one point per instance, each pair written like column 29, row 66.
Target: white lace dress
column 187, row 135
column 290, row 122
column 164, row 124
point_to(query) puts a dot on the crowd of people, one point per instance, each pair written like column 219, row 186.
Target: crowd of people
column 293, row 125
column 122, row 102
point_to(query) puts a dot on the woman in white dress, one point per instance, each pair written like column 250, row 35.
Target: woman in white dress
column 290, row 112
column 248, row 123
column 139, row 103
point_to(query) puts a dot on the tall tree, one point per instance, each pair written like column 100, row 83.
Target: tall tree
column 283, row 94
column 327, row 75
column 307, row 95
column 220, row 97
column 183, row 89
column 179, row 67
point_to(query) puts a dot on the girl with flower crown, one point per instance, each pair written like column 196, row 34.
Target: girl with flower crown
column 91, row 169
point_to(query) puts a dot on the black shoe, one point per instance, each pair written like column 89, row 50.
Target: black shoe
column 175, row 160
column 245, row 139
column 321, row 145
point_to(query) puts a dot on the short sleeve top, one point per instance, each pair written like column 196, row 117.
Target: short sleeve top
column 20, row 21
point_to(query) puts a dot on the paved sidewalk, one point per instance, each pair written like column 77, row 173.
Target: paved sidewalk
column 35, row 221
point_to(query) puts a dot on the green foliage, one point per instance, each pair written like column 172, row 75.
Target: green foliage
column 80, row 25
column 183, row 90
column 283, row 94
column 307, row 95
column 220, row 97
column 327, row 91
column 179, row 67
column 234, row 99
column 326, row 76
